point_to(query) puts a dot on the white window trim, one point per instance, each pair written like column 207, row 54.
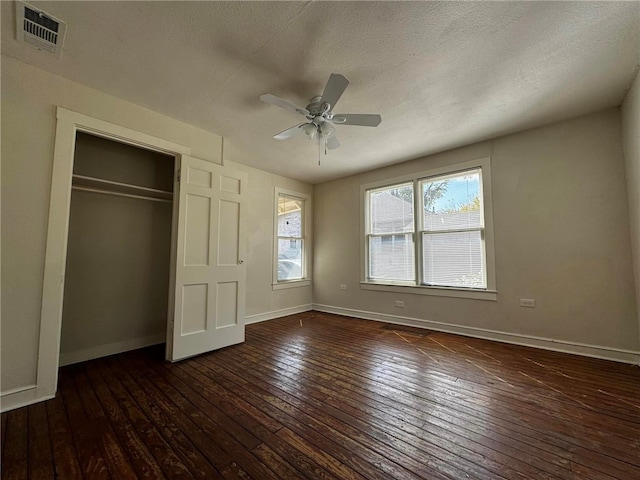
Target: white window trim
column 305, row 281
column 490, row 293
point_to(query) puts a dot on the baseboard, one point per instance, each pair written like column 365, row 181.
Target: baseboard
column 69, row 358
column 20, row 397
column 261, row 317
column 595, row 351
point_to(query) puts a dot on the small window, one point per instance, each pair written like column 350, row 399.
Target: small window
column 291, row 245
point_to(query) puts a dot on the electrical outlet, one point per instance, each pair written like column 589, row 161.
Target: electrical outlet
column 400, row 303
column 343, row 286
column 527, row 302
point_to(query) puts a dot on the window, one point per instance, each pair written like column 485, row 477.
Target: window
column 452, row 230
column 390, row 237
column 291, row 267
column 432, row 232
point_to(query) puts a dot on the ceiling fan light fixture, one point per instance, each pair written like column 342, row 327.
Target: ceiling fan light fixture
column 310, row 130
column 326, row 129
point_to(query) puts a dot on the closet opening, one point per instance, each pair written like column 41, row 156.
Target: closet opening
column 117, row 282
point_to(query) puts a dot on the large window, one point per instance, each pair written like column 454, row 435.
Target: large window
column 431, row 231
column 291, row 248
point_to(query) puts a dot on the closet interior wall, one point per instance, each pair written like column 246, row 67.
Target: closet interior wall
column 118, row 255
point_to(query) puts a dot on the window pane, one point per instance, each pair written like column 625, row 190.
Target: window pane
column 391, row 257
column 453, row 259
column 452, row 202
column 391, row 209
column 290, row 216
column 289, row 259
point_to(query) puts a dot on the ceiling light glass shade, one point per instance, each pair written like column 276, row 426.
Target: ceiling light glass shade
column 326, row 129
column 310, row 130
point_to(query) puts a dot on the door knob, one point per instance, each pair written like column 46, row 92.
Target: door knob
column 240, row 262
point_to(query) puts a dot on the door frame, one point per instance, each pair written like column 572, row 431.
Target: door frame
column 68, row 124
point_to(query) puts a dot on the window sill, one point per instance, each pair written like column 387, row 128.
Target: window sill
column 291, row 284
column 435, row 291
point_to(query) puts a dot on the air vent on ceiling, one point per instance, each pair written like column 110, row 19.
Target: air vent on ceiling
column 39, row 29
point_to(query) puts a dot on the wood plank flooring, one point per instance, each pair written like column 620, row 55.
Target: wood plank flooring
column 319, row 396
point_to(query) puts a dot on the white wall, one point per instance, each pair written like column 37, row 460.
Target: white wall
column 561, row 237
column 631, row 144
column 29, row 98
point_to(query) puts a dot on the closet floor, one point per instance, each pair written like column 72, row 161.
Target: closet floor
column 319, row 396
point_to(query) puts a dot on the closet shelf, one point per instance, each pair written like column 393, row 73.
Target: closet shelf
column 110, row 186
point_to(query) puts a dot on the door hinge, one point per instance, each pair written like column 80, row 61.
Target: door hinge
column 179, row 174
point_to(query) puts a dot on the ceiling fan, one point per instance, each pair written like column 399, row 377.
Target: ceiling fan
column 321, row 120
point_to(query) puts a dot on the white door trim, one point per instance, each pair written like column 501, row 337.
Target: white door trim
column 68, row 123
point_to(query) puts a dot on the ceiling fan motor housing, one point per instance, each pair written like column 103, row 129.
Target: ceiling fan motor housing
column 320, row 111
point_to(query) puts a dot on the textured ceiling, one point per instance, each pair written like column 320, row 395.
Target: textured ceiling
column 441, row 74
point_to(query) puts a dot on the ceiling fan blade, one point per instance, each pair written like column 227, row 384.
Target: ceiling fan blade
column 282, row 103
column 360, row 119
column 336, row 86
column 289, row 132
column 332, row 142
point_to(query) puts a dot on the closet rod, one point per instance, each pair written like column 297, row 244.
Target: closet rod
column 118, row 194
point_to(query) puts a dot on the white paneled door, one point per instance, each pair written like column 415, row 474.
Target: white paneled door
column 210, row 274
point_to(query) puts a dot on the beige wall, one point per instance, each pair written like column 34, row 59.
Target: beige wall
column 117, row 276
column 261, row 298
column 561, row 238
column 631, row 145
column 29, row 98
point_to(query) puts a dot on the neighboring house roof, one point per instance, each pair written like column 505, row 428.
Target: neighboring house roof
column 391, row 213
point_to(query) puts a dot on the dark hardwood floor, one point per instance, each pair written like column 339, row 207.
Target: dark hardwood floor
column 318, row 396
